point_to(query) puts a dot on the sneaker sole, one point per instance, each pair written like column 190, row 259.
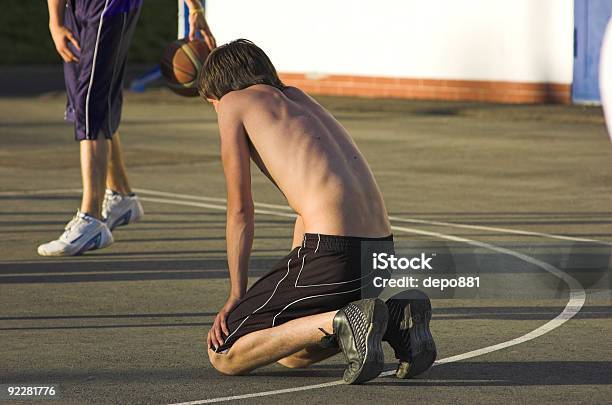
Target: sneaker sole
column 422, row 345
column 374, row 356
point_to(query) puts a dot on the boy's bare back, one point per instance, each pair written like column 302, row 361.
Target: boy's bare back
column 309, row 156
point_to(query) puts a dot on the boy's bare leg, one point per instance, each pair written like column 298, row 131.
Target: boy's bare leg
column 82, row 233
column 116, row 178
column 292, row 343
column 94, row 163
column 308, row 356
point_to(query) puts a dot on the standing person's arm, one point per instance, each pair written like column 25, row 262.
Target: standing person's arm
column 197, row 22
column 60, row 34
column 240, row 216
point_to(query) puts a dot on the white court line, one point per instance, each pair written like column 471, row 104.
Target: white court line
column 573, row 306
column 95, row 273
column 39, row 192
column 213, row 206
column 286, row 208
column 399, row 219
column 211, row 199
column 496, row 229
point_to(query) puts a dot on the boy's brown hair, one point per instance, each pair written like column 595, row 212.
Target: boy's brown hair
column 236, row 66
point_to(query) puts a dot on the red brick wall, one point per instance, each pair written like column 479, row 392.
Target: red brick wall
column 427, row 89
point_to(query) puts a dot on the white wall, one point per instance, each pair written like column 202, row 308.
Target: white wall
column 507, row 40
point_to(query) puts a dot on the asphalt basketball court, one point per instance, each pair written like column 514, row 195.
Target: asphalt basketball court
column 127, row 324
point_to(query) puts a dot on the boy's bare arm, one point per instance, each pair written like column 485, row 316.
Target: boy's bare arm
column 240, row 214
column 240, row 210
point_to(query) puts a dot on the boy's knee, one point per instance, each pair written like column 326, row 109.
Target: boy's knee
column 226, row 363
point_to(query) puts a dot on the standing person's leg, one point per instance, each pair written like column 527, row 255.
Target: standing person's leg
column 85, row 231
column 94, row 85
column 115, row 205
column 116, row 175
column 121, row 206
column 94, row 162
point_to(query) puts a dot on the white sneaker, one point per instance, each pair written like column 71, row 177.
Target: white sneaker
column 119, row 209
column 82, row 233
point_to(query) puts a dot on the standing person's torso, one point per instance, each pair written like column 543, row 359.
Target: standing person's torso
column 314, row 162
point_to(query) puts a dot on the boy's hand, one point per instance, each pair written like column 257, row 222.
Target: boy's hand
column 61, row 36
column 197, row 23
column 218, row 332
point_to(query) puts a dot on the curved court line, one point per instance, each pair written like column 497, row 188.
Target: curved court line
column 573, row 306
column 577, row 295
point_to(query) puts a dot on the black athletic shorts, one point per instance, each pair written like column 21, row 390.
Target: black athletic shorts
column 321, row 275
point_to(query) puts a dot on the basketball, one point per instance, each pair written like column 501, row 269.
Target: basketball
column 181, row 64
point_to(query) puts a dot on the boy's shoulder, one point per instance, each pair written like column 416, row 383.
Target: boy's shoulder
column 236, row 103
column 234, row 96
column 260, row 91
column 237, row 97
column 259, row 95
column 233, row 102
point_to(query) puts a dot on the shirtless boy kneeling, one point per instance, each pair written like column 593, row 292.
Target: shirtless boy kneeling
column 314, row 162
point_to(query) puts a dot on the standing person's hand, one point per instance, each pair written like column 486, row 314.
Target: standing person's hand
column 61, row 36
column 197, row 23
column 219, row 331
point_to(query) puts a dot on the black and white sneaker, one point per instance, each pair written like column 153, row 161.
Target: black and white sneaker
column 409, row 335
column 358, row 329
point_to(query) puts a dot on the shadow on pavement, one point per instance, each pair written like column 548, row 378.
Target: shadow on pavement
column 126, row 270
column 477, row 374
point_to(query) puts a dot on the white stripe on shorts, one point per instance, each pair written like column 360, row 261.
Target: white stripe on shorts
column 93, row 68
